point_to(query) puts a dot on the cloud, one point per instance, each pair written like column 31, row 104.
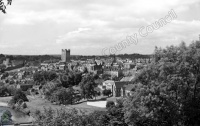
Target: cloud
column 71, row 35
column 32, row 17
column 89, row 26
column 8, row 46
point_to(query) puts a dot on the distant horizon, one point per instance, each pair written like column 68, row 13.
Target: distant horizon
column 71, row 54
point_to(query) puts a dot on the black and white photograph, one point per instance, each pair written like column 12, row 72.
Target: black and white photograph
column 99, row 62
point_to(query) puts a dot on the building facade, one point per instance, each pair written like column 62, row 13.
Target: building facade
column 65, row 55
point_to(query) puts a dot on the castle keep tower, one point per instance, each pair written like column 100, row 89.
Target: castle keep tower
column 65, row 55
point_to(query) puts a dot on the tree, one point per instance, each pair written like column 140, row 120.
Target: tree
column 63, row 95
column 97, row 118
column 115, row 78
column 44, row 76
column 96, row 76
column 77, row 78
column 3, row 6
column 2, row 67
column 49, row 88
column 3, row 91
column 62, row 117
column 11, row 89
column 52, row 75
column 19, row 95
column 167, row 91
column 107, row 92
column 6, row 117
column 116, row 114
column 85, row 70
column 68, row 79
column 106, row 76
column 6, row 74
column 110, row 104
column 2, row 58
column 72, row 117
column 37, row 77
column 87, row 86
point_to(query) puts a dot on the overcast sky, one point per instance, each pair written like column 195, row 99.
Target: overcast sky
column 88, row 26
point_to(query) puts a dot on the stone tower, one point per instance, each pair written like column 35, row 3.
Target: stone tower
column 65, row 56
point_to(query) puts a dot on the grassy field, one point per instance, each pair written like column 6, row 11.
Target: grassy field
column 5, row 99
column 38, row 103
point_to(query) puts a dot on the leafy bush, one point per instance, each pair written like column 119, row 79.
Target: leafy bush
column 11, row 89
column 6, row 117
column 167, row 91
column 24, row 105
column 106, row 76
column 63, row 96
column 73, row 117
column 19, row 95
column 107, row 92
column 77, row 98
column 110, row 104
column 3, row 91
column 70, row 117
column 44, row 76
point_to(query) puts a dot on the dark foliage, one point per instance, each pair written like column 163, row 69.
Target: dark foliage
column 44, row 76
column 110, row 104
column 88, row 86
column 70, row 78
column 3, row 5
column 19, row 95
column 107, row 92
